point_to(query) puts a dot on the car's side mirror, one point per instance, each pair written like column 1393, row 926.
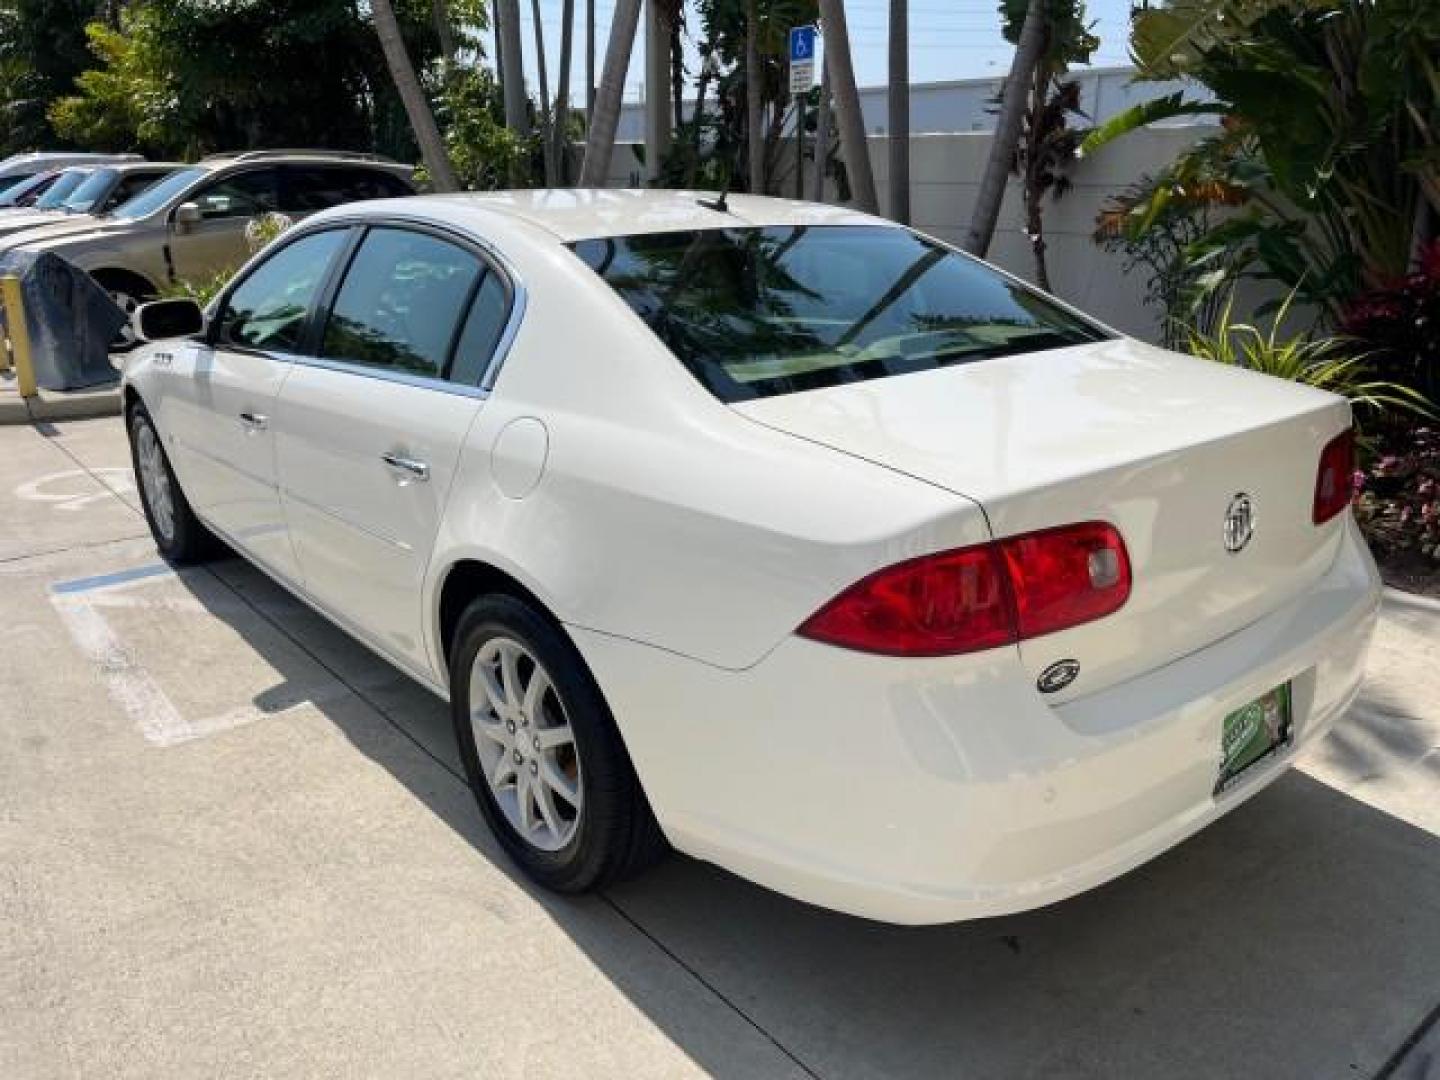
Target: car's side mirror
column 162, row 319
column 187, row 216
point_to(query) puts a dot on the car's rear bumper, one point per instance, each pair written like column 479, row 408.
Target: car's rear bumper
column 920, row 791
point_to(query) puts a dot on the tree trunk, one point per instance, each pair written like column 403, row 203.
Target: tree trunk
column 547, row 143
column 562, row 92
column 754, row 103
column 657, row 89
column 822, row 137
column 512, row 73
column 600, row 140
column 848, row 118
column 677, row 73
column 417, row 109
column 697, row 126
column 445, row 33
column 899, row 109
column 1007, row 131
column 589, row 61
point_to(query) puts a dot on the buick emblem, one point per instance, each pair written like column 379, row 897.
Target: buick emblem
column 1057, row 676
column 1239, row 523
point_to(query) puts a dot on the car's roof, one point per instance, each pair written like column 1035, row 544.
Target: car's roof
column 143, row 166
column 591, row 213
column 253, row 158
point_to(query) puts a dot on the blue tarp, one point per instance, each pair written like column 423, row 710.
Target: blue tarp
column 72, row 320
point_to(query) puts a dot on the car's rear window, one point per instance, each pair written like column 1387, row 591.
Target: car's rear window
column 755, row 312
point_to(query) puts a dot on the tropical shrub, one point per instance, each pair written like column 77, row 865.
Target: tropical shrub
column 1398, row 505
column 1326, row 363
column 1332, row 114
column 1399, row 325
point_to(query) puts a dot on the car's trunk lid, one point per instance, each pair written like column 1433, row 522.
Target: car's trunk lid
column 1157, row 444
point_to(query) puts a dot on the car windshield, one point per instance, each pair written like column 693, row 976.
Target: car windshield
column 756, row 312
column 157, row 195
column 95, row 187
column 12, row 195
column 62, row 189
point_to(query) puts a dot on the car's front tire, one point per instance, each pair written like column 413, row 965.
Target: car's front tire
column 542, row 753
column 179, row 534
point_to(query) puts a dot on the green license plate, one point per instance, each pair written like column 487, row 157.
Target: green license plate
column 1253, row 733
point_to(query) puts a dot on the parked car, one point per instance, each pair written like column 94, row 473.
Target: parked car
column 84, row 190
column 24, row 192
column 191, row 225
column 113, row 185
column 19, row 167
column 805, row 542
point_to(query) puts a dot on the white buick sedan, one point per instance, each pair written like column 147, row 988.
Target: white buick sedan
column 774, row 532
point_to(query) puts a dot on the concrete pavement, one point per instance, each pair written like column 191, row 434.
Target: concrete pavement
column 234, row 843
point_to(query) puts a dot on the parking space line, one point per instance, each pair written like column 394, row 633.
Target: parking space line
column 100, row 581
column 81, row 603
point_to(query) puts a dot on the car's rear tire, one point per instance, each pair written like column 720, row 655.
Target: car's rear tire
column 545, row 760
column 179, row 535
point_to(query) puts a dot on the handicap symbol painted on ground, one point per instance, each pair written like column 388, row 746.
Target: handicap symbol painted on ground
column 72, row 489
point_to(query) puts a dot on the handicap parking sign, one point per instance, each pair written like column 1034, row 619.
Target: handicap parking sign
column 802, row 59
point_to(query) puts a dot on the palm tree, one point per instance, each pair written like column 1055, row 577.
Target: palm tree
column 512, row 67
column 899, row 108
column 589, row 61
column 754, row 102
column 562, row 92
column 547, row 144
column 1007, row 130
column 822, row 138
column 848, row 120
column 600, row 139
column 417, row 108
column 445, row 34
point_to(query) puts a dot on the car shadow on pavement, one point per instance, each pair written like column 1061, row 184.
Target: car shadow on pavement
column 1297, row 937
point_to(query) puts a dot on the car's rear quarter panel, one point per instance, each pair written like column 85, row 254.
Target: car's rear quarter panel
column 661, row 516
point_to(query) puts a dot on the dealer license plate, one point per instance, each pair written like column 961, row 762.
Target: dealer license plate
column 1252, row 734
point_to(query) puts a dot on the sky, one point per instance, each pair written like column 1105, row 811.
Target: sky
column 949, row 39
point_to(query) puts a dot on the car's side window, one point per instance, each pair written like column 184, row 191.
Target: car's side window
column 268, row 309
column 317, row 187
column 481, row 332
column 400, row 302
column 241, row 195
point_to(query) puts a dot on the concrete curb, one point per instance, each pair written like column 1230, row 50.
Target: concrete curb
column 58, row 405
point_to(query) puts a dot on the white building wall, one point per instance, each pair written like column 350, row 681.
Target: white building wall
column 966, row 104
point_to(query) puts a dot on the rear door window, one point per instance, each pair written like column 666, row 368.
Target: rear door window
column 400, row 303
column 481, row 333
column 318, row 187
column 755, row 312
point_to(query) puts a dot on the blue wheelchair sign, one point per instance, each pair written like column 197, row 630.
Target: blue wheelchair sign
column 802, row 44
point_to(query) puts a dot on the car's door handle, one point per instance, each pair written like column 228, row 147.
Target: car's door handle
column 254, row 421
column 407, row 468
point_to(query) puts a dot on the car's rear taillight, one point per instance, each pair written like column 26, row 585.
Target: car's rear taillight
column 1067, row 576
column 981, row 597
column 1335, row 482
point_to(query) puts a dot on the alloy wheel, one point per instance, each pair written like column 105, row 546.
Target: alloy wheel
column 155, row 480
column 525, row 744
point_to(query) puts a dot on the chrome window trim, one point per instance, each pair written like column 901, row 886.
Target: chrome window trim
column 404, row 378
column 519, row 302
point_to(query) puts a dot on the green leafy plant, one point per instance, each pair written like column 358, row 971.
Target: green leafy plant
column 1333, row 117
column 1326, row 363
column 201, row 290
